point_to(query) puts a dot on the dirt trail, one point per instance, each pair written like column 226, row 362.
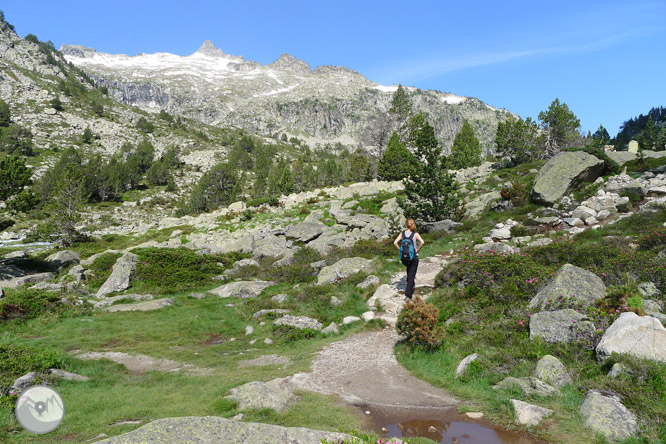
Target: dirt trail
column 362, row 369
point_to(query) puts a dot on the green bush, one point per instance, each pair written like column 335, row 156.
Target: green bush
column 16, row 361
column 23, row 304
column 652, row 239
column 418, row 323
column 173, row 270
column 369, row 248
column 287, row 333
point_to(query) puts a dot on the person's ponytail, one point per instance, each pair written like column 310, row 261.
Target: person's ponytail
column 410, row 224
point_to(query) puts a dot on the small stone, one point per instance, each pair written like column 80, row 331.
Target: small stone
column 384, row 430
column 432, row 429
column 367, row 412
column 198, row 296
column 249, row 330
column 280, row 298
column 268, row 341
column 528, row 414
column 335, row 301
column 368, row 316
column 617, row 370
column 238, row 417
column 464, row 364
column 350, row 320
column 332, row 328
column 370, row 281
column 550, row 370
column 474, row 415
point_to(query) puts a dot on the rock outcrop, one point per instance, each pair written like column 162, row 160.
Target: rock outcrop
column 639, row 336
column 563, row 173
column 560, row 326
column 570, row 286
column 605, row 414
column 122, row 273
column 343, row 269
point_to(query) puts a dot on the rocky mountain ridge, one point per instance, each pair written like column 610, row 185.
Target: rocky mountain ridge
column 327, row 104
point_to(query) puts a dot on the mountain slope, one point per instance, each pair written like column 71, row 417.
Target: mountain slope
column 324, row 105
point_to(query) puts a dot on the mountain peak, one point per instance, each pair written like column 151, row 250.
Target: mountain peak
column 209, row 49
column 287, row 62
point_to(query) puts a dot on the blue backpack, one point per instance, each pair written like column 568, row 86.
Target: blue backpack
column 407, row 250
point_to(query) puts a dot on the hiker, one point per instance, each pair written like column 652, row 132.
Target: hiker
column 409, row 253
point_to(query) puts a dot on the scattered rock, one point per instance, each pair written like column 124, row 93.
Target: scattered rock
column 638, row 336
column 550, row 370
column 335, row 301
column 474, row 415
column 606, row 415
column 268, row 341
column 368, row 282
column 249, row 330
column 24, row 381
column 560, row 326
column 274, row 394
column 262, row 313
column 497, row 248
column 617, row 369
column 529, row 386
column 332, row 328
column 305, row 231
column 122, row 273
column 368, row 316
column 388, row 299
column 432, row 429
column 649, row 290
column 107, row 302
column 300, row 322
column 350, row 320
column 343, row 269
column 63, row 258
column 651, row 306
column 67, row 376
column 623, row 183
column 462, row 366
column 238, row 417
column 29, row 279
column 212, row 429
column 198, row 296
column 563, row 173
column 142, row 306
column 570, row 285
column 241, row 289
column 280, row 298
column 446, row 225
column 528, row 414
column 573, row 221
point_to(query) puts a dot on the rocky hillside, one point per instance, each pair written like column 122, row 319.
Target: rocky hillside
column 325, row 105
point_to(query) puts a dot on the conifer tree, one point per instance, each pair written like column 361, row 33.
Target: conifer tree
column 396, row 162
column 561, row 127
column 5, row 114
column 517, row 140
column 430, row 189
column 648, row 138
column 466, row 150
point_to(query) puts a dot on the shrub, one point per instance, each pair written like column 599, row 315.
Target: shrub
column 16, row 361
column 369, row 248
column 653, row 239
column 287, row 333
column 23, row 304
column 516, row 193
column 418, row 323
column 173, row 270
column 299, row 270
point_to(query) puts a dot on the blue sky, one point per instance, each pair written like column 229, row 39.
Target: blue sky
column 605, row 59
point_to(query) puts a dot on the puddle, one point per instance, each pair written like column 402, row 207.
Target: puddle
column 442, row 427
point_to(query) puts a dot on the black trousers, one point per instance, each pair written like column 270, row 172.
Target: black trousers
column 411, row 275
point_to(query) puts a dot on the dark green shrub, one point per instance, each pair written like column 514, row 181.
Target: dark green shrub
column 16, row 361
column 417, row 322
column 287, row 333
column 517, row 193
column 172, row 270
column 23, row 304
column 632, row 195
column 370, row 248
column 653, row 239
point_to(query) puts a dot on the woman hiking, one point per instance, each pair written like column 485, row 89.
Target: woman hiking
column 411, row 261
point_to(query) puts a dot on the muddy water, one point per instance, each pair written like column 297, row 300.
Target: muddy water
column 442, row 427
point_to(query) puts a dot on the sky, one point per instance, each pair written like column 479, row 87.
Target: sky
column 605, row 59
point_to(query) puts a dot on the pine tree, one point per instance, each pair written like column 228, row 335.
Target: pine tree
column 65, row 204
column 466, row 150
column 87, row 136
column 430, row 189
column 661, row 142
column 5, row 114
column 401, row 109
column 648, row 138
column 14, row 176
column 396, row 162
column 517, row 140
column 561, row 126
column 601, row 136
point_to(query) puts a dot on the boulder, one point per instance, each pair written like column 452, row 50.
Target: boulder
column 497, row 248
column 462, row 366
column 573, row 221
column 274, row 394
column 370, row 281
column 280, row 298
column 331, row 329
column 529, row 414
column 29, row 279
column 299, row 322
column 570, row 285
column 651, row 306
column 24, row 381
column 551, row 371
column 67, row 376
column 269, row 245
column 388, row 299
column 529, row 386
column 122, row 273
column 305, row 231
column 623, row 182
column 213, row 429
column 605, row 414
column 241, row 289
column 368, row 316
column 343, row 269
column 617, row 369
column 563, row 173
column 446, row 225
column 350, row 320
column 648, row 290
column 63, row 258
column 477, row 205
column 582, row 212
column 560, row 326
column 638, row 336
